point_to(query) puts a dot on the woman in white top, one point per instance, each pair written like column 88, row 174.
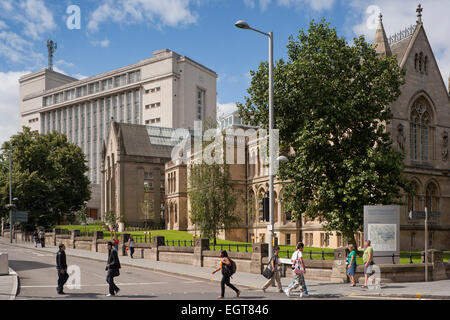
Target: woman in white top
column 298, row 268
column 131, row 246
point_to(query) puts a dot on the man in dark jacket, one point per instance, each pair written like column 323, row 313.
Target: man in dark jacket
column 112, row 267
column 61, row 266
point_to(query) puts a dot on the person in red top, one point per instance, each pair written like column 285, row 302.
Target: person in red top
column 116, row 243
column 225, row 266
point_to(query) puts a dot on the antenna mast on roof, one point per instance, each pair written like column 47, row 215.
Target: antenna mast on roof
column 51, row 46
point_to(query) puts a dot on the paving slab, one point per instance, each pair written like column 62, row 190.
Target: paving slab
column 317, row 289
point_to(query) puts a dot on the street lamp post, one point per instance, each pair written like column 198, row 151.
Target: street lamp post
column 244, row 25
column 10, row 200
column 426, row 243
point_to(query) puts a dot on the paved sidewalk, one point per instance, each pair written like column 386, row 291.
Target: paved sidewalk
column 317, row 289
column 9, row 286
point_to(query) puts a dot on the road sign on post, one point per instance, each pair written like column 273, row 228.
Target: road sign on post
column 426, row 216
column 20, row 216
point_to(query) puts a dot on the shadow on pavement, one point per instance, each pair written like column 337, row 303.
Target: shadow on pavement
column 22, row 265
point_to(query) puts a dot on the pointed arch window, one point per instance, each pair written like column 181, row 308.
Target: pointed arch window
column 420, row 61
column 412, row 199
column 420, row 132
column 432, row 198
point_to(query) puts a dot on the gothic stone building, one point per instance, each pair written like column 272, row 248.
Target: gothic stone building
column 133, row 173
column 420, row 129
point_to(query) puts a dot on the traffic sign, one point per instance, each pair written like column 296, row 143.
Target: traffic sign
column 421, row 214
column 20, row 216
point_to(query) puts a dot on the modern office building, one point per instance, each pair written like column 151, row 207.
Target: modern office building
column 229, row 120
column 166, row 90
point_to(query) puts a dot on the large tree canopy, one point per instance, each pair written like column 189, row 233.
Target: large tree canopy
column 332, row 107
column 48, row 176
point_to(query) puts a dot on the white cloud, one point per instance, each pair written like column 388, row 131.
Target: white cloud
column 400, row 14
column 36, row 17
column 33, row 20
column 225, row 109
column 6, row 5
column 171, row 13
column 101, row 43
column 79, row 76
column 9, row 103
column 17, row 49
column 63, row 63
column 316, row 5
column 249, row 3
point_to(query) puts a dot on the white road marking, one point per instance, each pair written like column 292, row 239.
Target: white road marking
column 103, row 285
column 194, row 281
column 171, row 275
column 41, row 255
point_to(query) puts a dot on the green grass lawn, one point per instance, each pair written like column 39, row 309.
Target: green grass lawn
column 173, row 235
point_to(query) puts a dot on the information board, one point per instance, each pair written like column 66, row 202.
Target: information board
column 382, row 228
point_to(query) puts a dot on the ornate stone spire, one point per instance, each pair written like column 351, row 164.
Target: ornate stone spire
column 419, row 14
column 381, row 42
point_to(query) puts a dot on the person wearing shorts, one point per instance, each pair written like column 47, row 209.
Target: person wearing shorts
column 368, row 263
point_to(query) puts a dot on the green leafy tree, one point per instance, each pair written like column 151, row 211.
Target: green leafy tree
column 332, row 107
column 82, row 216
column 211, row 195
column 48, row 176
column 212, row 199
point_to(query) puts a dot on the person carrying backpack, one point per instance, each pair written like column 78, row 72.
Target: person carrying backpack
column 228, row 268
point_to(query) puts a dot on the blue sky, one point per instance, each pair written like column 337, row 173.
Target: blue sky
column 115, row 33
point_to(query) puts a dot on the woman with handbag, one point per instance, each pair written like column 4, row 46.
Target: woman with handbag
column 273, row 271
column 298, row 268
column 351, row 264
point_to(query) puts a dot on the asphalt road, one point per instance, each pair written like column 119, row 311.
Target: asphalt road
column 38, row 279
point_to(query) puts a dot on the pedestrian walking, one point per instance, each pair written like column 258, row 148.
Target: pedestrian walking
column 131, row 246
column 42, row 238
column 35, row 238
column 61, row 266
column 116, row 243
column 228, row 267
column 112, row 268
column 368, row 262
column 298, row 269
column 274, row 267
column 351, row 259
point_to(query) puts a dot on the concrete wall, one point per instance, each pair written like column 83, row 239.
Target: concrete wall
column 333, row 271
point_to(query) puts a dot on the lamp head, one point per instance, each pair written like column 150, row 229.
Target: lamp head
column 282, row 159
column 242, row 24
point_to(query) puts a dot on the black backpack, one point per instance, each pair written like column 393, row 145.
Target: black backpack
column 231, row 269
